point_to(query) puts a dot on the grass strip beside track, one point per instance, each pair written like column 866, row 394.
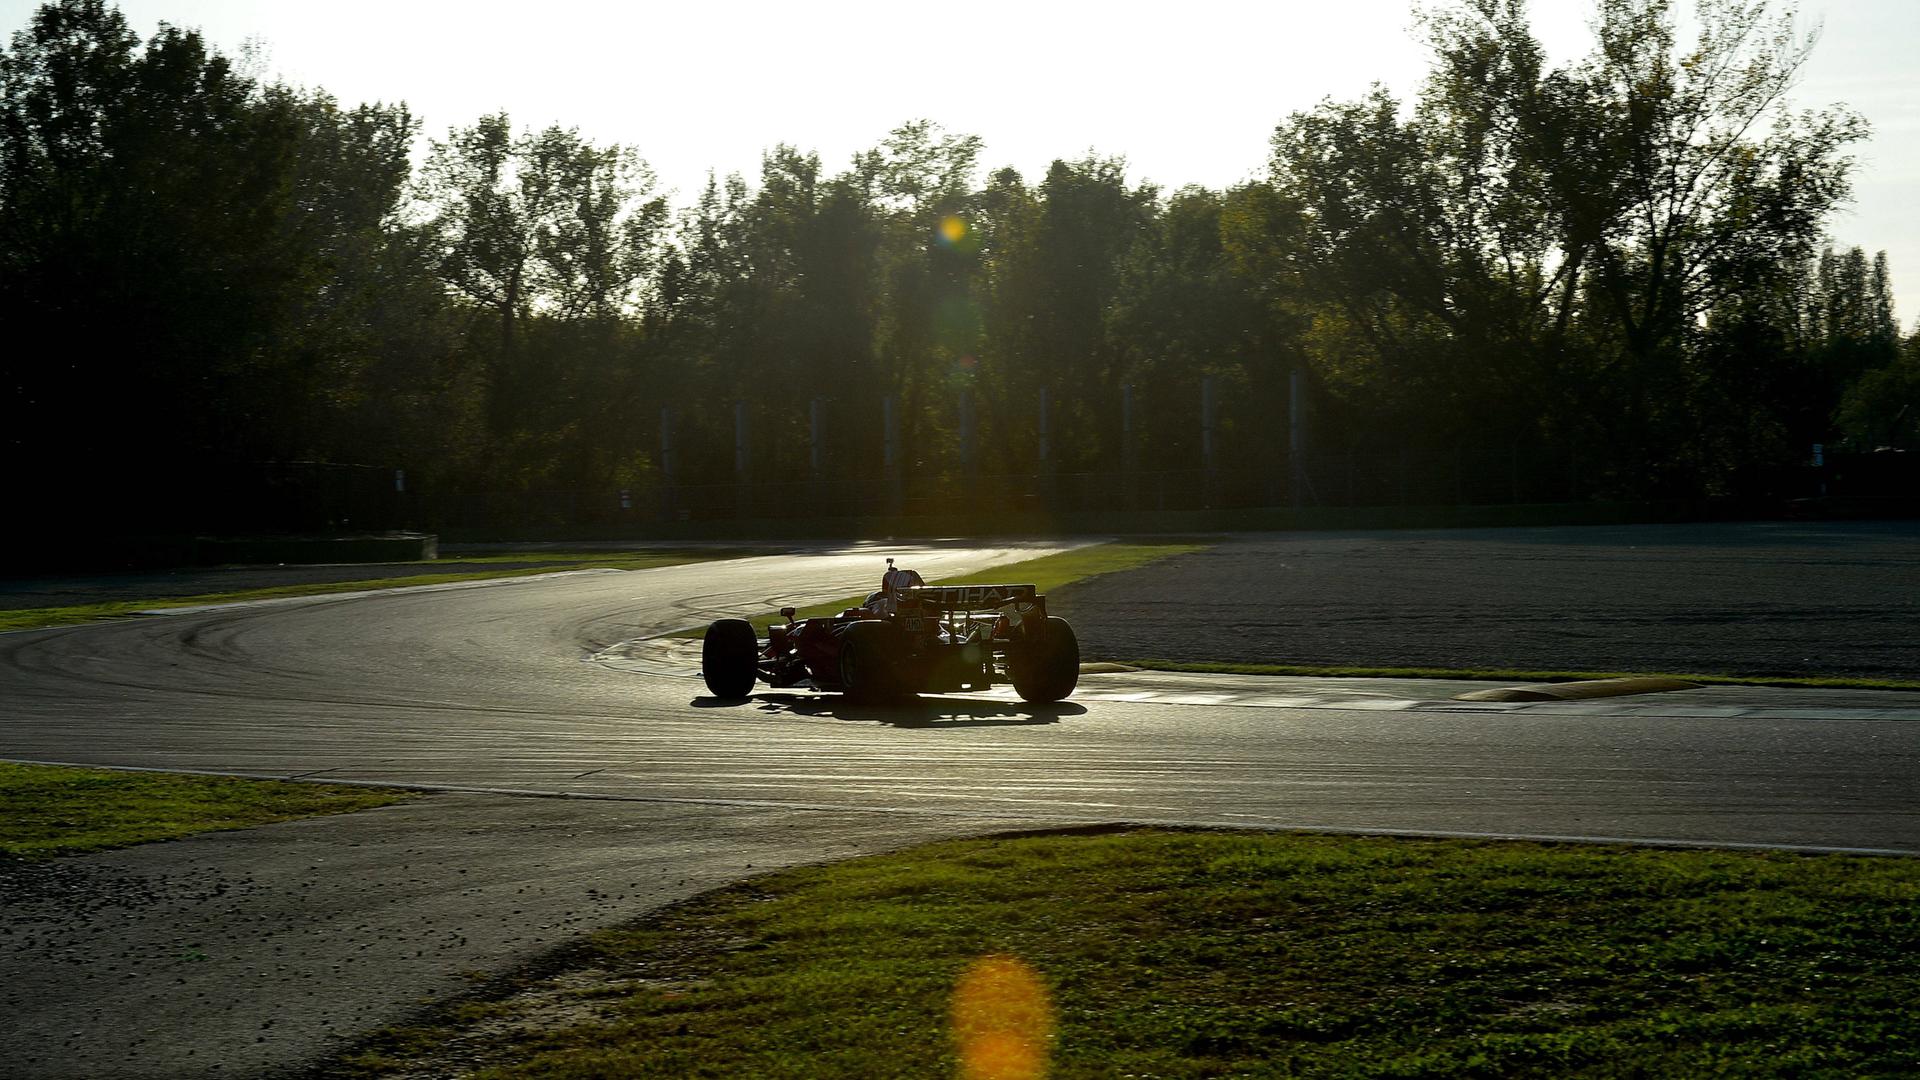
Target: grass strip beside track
column 49, row 810
column 1511, row 675
column 1047, row 573
column 1191, row 954
column 552, row 562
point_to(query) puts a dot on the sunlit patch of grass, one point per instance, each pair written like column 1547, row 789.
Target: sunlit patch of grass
column 554, row 562
column 1515, row 675
column 1047, row 573
column 1177, row 954
column 48, row 810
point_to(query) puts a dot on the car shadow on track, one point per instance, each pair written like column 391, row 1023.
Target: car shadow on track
column 935, row 712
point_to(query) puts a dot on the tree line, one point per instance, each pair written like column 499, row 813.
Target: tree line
column 1618, row 259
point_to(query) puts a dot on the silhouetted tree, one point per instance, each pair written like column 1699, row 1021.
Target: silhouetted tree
column 146, row 266
column 1536, row 243
column 1613, row 259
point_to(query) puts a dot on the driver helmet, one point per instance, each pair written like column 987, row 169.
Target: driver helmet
column 894, row 580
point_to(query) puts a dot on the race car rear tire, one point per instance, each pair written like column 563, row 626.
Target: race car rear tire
column 730, row 658
column 1045, row 666
column 870, row 663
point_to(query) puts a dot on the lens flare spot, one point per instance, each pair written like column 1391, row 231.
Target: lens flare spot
column 952, row 230
column 1002, row 1021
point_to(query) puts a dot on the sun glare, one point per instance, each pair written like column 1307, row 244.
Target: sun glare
column 1002, row 1021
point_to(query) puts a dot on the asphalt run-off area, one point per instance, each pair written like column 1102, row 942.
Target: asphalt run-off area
column 583, row 777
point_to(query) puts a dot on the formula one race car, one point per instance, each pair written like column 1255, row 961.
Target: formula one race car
column 908, row 638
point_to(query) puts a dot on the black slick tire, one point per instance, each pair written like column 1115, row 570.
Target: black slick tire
column 1045, row 665
column 729, row 658
column 869, row 666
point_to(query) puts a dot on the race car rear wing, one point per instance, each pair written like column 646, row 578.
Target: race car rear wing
column 970, row 597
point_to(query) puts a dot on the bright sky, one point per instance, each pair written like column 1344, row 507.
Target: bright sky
column 1187, row 92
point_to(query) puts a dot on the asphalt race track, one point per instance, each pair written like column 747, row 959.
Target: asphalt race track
column 550, row 686
column 526, row 685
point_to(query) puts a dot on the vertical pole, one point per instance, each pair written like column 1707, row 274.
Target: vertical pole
column 966, row 433
column 666, row 442
column 890, row 452
column 1206, row 422
column 1045, row 447
column 1128, row 459
column 814, row 430
column 1296, row 440
column 1047, row 493
column 1206, row 436
column 742, row 461
column 740, row 441
column 886, row 434
column 666, row 462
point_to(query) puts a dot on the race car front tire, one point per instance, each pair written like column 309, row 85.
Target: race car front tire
column 729, row 658
column 870, row 663
column 1045, row 665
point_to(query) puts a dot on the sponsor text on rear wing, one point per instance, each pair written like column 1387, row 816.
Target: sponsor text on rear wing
column 970, row 597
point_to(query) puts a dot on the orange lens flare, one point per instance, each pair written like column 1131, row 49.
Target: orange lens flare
column 1002, row 1021
column 952, row 229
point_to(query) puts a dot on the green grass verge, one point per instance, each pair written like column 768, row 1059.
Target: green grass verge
column 1047, row 573
column 1512, row 675
column 1179, row 954
column 552, row 562
column 48, row 810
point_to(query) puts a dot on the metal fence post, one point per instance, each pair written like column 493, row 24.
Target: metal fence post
column 1207, row 397
column 1296, row 441
column 1046, row 449
column 667, row 463
column 815, row 429
column 890, row 453
column 1047, row 493
column 966, row 435
column 742, row 461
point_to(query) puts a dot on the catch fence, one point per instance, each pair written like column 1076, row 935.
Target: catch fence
column 1479, row 477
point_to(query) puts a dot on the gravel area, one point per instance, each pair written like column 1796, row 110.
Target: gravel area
column 1737, row 599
